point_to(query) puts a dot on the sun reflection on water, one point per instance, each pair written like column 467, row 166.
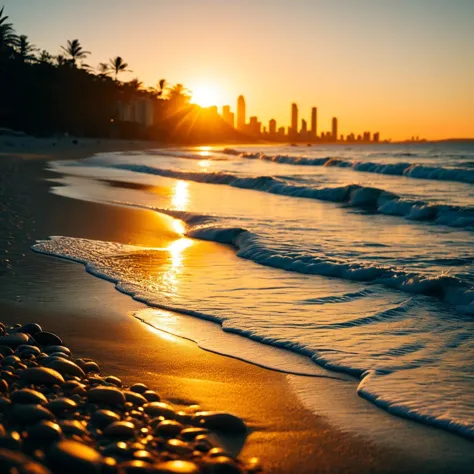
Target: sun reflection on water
column 180, row 196
column 171, row 276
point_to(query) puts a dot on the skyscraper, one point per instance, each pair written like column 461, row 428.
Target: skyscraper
column 227, row 115
column 334, row 129
column 314, row 122
column 304, row 127
column 241, row 113
column 294, row 120
column 272, row 126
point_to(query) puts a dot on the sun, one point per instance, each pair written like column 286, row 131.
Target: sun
column 205, row 95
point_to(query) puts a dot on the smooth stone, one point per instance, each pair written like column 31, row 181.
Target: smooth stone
column 42, row 375
column 151, row 396
column 2, row 430
column 220, row 421
column 144, row 455
column 28, row 397
column 120, row 429
column 73, row 427
column 45, row 338
column 5, row 404
column 3, row 386
column 58, row 355
column 222, row 464
column 29, row 414
column 16, row 462
column 103, row 418
column 176, row 467
column 11, row 360
column 60, row 348
column 179, row 447
column 61, row 405
column 114, row 381
column 169, row 429
column 28, row 349
column 110, row 395
column 11, row 441
column 90, row 366
column 159, row 409
column 136, row 466
column 139, row 388
column 188, row 434
column 119, row 449
column 44, row 431
column 14, row 340
column 70, row 457
column 71, row 386
column 64, row 367
column 5, row 350
column 135, row 398
column 31, row 329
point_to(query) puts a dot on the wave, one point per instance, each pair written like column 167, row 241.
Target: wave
column 352, row 195
column 411, row 170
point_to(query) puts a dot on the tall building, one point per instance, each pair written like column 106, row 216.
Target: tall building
column 294, row 120
column 314, row 122
column 272, row 126
column 304, row 127
column 241, row 113
column 334, row 129
column 227, row 115
column 254, row 126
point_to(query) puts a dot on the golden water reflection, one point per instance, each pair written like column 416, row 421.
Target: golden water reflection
column 171, row 277
column 180, row 196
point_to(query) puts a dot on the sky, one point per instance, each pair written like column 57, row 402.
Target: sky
column 404, row 68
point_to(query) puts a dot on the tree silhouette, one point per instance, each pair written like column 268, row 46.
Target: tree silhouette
column 25, row 51
column 8, row 37
column 159, row 89
column 103, row 69
column 45, row 57
column 117, row 65
column 75, row 51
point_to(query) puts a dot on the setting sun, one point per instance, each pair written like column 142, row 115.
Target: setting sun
column 205, row 95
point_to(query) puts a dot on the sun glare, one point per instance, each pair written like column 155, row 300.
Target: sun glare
column 205, row 95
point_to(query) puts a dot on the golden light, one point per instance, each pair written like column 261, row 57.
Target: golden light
column 180, row 196
column 205, row 95
column 204, row 163
column 178, row 227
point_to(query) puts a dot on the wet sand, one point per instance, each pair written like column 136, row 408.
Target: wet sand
column 96, row 321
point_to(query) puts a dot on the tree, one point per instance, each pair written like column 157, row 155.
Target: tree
column 103, row 69
column 159, row 89
column 25, row 51
column 8, row 37
column 178, row 96
column 75, row 51
column 117, row 65
column 45, row 57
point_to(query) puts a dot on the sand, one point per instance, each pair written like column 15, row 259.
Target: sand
column 95, row 320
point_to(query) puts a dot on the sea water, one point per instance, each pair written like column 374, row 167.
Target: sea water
column 358, row 259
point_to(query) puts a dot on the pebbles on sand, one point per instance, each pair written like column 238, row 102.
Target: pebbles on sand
column 59, row 415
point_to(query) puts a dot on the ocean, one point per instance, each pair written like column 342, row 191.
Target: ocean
column 356, row 259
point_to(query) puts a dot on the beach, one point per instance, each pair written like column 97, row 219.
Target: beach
column 97, row 321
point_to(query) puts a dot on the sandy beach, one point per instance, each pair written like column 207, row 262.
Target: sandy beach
column 97, row 321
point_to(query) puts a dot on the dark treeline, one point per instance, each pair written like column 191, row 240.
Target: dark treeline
column 42, row 94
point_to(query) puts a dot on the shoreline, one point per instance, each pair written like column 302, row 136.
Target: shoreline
column 264, row 397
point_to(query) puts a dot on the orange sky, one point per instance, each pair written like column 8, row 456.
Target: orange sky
column 402, row 68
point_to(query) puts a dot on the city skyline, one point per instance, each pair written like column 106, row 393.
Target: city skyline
column 404, row 68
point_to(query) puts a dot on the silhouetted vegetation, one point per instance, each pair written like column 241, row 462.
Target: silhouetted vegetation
column 45, row 94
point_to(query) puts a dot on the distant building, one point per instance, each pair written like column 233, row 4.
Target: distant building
column 304, row 128
column 281, row 131
column 272, row 126
column 241, row 113
column 314, row 122
column 227, row 115
column 137, row 110
column 294, row 120
column 254, row 126
column 334, row 129
column 376, row 137
column 213, row 110
column 366, row 137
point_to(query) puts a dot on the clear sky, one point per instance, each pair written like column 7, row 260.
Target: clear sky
column 401, row 67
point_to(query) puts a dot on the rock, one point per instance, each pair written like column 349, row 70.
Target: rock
column 90, row 366
column 41, row 375
column 72, row 457
column 31, row 329
column 176, row 467
column 64, row 367
column 144, row 455
column 28, row 414
column 44, row 338
column 61, row 406
column 151, row 396
column 117, row 450
column 188, row 434
column 114, row 381
column 135, row 398
column 221, row 465
column 169, row 429
column 159, row 409
column 73, row 427
column 103, row 418
column 27, row 396
column 11, row 441
column 53, row 348
column 220, row 421
column 120, row 429
column 10, row 360
column 5, row 404
column 139, row 388
column 15, row 462
column 3, row 386
column 109, row 395
column 44, row 431
column 28, row 349
column 136, row 466
column 5, row 350
column 14, row 340
column 179, row 447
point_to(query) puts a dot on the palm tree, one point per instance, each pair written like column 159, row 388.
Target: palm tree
column 8, row 37
column 45, row 57
column 103, row 69
column 75, row 51
column 117, row 65
column 159, row 89
column 25, row 50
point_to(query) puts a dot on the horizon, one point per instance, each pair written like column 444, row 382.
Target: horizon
column 409, row 68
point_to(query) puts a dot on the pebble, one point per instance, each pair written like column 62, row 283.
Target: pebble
column 72, row 457
column 120, row 429
column 61, row 406
column 73, row 427
column 109, row 395
column 28, row 414
column 44, row 338
column 114, row 381
column 159, row 409
column 64, row 367
column 103, row 418
column 15, row 462
column 44, row 431
column 53, row 349
column 41, row 375
column 169, row 429
column 14, row 340
column 135, row 398
column 151, row 396
column 28, row 396
column 31, row 329
column 220, row 421
column 139, row 388
column 176, row 467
